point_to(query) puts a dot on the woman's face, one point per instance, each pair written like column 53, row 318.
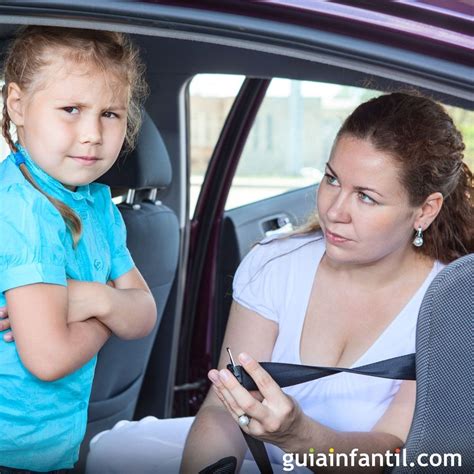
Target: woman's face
column 363, row 208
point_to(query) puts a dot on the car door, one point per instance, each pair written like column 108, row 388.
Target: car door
column 261, row 181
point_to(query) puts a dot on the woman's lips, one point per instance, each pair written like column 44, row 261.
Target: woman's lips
column 335, row 238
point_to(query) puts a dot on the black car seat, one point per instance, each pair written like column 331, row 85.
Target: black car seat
column 153, row 240
column 444, row 414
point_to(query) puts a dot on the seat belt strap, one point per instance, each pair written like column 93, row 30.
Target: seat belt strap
column 285, row 375
column 259, row 453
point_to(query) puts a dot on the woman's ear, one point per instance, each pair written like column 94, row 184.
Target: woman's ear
column 429, row 210
column 15, row 103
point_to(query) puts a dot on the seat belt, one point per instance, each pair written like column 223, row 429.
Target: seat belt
column 285, row 375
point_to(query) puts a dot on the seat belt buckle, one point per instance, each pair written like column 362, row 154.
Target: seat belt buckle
column 237, row 370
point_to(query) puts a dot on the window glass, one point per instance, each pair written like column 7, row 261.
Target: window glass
column 291, row 138
column 464, row 120
column 210, row 99
column 294, row 130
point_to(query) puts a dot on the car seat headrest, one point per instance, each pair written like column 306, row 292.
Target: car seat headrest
column 146, row 167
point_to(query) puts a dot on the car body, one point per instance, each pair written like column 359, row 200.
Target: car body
column 383, row 45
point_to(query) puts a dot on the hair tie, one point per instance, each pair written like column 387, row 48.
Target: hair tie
column 19, row 158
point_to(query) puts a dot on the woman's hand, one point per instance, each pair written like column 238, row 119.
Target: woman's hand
column 275, row 419
column 5, row 324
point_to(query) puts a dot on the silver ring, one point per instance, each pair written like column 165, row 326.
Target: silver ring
column 244, row 420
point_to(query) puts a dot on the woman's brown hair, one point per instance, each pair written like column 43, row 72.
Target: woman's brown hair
column 30, row 53
column 420, row 135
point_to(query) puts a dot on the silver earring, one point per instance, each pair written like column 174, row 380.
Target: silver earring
column 418, row 240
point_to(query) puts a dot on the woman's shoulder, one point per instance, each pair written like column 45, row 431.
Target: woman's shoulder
column 289, row 244
column 277, row 250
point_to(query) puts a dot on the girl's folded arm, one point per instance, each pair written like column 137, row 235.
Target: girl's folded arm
column 131, row 308
column 48, row 346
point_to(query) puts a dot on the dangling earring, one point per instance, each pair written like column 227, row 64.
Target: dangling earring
column 418, row 240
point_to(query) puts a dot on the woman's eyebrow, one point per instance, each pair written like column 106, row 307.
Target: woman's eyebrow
column 357, row 188
column 365, row 188
column 331, row 170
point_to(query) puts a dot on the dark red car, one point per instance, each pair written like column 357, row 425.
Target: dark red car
column 246, row 97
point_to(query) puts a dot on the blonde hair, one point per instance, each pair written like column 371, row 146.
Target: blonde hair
column 110, row 52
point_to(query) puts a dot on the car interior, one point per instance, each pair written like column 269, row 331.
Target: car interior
column 188, row 257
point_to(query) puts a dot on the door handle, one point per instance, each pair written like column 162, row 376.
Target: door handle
column 277, row 225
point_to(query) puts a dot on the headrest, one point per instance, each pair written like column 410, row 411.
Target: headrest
column 147, row 166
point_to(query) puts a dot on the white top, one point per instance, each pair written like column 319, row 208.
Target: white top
column 275, row 280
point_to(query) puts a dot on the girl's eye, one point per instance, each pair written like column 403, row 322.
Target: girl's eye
column 110, row 115
column 367, row 199
column 331, row 180
column 71, row 110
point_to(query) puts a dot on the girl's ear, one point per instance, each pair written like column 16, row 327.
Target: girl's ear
column 15, row 103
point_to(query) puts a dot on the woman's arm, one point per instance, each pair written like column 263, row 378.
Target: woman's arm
column 214, row 434
column 48, row 345
column 280, row 421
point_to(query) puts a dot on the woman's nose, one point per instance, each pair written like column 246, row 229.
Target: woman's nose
column 339, row 210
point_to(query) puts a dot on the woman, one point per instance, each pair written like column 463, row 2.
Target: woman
column 394, row 207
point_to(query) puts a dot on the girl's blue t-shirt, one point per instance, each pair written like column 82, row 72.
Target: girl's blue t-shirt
column 42, row 423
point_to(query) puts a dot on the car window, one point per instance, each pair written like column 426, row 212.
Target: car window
column 292, row 135
column 291, row 138
column 210, row 98
column 464, row 120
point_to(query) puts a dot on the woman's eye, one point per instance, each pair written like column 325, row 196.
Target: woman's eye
column 71, row 110
column 367, row 199
column 332, row 180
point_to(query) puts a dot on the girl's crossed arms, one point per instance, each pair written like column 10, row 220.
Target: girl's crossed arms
column 58, row 329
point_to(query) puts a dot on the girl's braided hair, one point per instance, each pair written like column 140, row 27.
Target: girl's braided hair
column 30, row 53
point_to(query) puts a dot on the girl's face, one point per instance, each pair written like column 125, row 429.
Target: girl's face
column 74, row 125
column 363, row 208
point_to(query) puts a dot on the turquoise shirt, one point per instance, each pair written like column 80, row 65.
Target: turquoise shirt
column 42, row 423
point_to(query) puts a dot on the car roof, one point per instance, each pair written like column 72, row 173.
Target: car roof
column 311, row 40
column 416, row 25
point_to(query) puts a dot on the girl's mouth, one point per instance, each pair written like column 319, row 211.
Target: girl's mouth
column 85, row 160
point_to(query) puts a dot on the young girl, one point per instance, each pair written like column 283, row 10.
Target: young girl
column 66, row 275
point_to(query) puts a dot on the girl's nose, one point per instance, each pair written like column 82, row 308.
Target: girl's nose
column 339, row 210
column 91, row 132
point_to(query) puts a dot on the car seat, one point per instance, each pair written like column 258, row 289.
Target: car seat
column 443, row 421
column 153, row 241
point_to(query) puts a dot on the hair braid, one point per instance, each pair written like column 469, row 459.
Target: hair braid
column 6, row 122
column 70, row 217
column 111, row 52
